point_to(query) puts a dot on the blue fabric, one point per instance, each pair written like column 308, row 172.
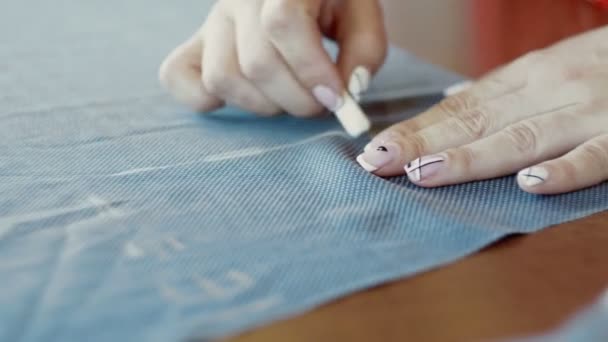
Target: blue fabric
column 125, row 218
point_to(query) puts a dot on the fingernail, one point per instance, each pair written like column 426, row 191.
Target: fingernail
column 457, row 88
column 424, row 168
column 359, row 82
column 376, row 157
column 327, row 97
column 533, row 176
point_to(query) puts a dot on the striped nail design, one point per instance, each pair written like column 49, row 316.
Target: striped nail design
column 533, row 176
column 424, row 167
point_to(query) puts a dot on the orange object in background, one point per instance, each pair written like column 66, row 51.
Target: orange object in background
column 506, row 29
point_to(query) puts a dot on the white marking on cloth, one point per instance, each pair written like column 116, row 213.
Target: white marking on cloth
column 133, row 251
column 211, row 288
column 169, row 293
column 247, row 309
column 104, row 208
column 243, row 153
column 81, row 233
column 248, row 152
column 175, row 244
column 240, row 282
column 140, row 170
column 243, row 280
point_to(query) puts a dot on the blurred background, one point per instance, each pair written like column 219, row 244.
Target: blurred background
column 474, row 36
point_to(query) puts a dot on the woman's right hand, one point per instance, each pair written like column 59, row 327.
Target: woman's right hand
column 267, row 57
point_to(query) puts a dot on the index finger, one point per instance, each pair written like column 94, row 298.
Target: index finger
column 292, row 27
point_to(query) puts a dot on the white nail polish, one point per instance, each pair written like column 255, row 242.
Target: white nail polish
column 359, row 82
column 352, row 117
column 365, row 165
column 457, row 88
column 533, row 176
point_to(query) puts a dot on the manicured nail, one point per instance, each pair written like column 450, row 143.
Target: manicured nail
column 359, row 82
column 424, row 168
column 457, row 88
column 327, row 97
column 533, row 176
column 376, row 157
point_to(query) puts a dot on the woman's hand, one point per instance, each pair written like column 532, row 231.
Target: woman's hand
column 544, row 116
column 266, row 56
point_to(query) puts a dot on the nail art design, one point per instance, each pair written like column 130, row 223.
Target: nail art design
column 376, row 157
column 533, row 176
column 423, row 167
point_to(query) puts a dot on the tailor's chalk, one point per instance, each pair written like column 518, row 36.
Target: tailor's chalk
column 351, row 117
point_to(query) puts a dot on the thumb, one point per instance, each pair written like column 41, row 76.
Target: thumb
column 363, row 42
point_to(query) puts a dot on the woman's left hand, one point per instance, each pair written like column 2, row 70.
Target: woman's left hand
column 544, row 115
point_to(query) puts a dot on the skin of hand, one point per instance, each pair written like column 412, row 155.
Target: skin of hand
column 267, row 57
column 545, row 116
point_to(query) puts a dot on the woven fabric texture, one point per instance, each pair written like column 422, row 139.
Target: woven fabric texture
column 125, row 217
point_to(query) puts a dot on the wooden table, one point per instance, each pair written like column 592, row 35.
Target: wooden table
column 522, row 285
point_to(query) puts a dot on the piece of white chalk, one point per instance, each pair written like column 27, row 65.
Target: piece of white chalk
column 352, row 117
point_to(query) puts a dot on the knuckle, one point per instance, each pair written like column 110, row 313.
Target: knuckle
column 463, row 157
column 216, row 83
column 258, row 68
column 523, row 136
column 376, row 50
column 474, row 123
column 415, row 144
column 309, row 111
column 406, row 128
column 453, row 105
column 596, row 152
column 568, row 169
column 277, row 16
